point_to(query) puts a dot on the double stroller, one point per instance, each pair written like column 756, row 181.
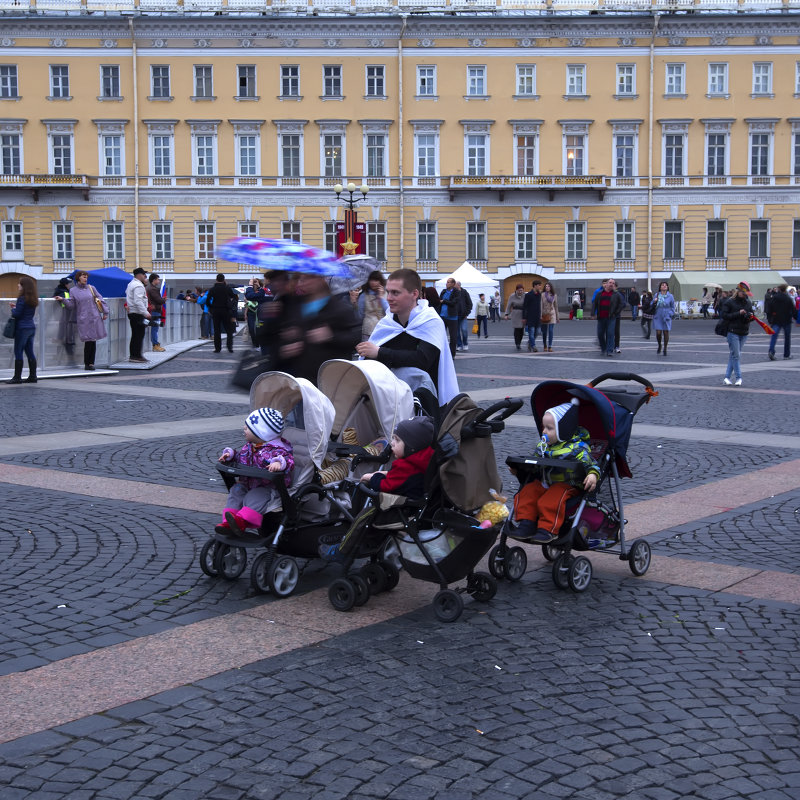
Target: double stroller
column 594, row 522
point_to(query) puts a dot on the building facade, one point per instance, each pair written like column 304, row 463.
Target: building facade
column 565, row 140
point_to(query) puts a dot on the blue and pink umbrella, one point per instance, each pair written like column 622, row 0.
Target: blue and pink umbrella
column 283, row 254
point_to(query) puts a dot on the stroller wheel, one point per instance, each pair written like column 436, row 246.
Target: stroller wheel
column 549, row 552
column 259, row 579
column 481, row 586
column 361, row 588
column 392, row 574
column 639, row 557
column 515, row 564
column 448, row 605
column 208, row 555
column 283, row 576
column 580, row 574
column 230, row 561
column 375, row 576
column 342, row 594
column 560, row 571
column 496, row 561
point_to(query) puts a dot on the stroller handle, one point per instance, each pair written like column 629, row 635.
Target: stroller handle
column 621, row 376
column 507, row 406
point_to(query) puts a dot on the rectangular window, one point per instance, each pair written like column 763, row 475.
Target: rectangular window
column 248, row 229
column 526, row 241
column 247, row 154
column 715, row 238
column 797, row 77
column 375, row 81
column 762, row 77
column 9, row 86
column 623, row 241
column 676, row 79
column 246, row 80
column 715, row 162
column 204, row 244
column 796, row 239
column 626, row 79
column 376, row 155
column 426, row 241
column 576, row 241
column 109, row 81
column 62, row 154
column 332, row 155
column 476, row 154
column 329, row 236
column 11, row 154
column 526, row 79
column 795, row 151
column 112, row 155
column 476, row 81
column 759, row 238
column 291, row 230
column 162, row 241
column 376, row 240
column 425, row 156
column 290, row 155
column 624, row 151
column 574, row 147
column 62, row 241
column 160, row 81
column 426, row 81
column 476, row 241
column 718, row 79
column 759, row 154
column 526, row 155
column 113, row 241
column 290, row 80
column 673, row 240
column 673, row 154
column 204, row 155
column 12, row 240
column 576, row 79
column 162, row 155
column 332, row 81
column 59, row 81
column 203, row 80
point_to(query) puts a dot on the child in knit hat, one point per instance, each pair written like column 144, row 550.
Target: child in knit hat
column 540, row 505
column 250, row 498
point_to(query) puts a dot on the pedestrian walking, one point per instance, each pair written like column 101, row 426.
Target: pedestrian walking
column 255, row 294
column 482, row 315
column 448, row 311
column 222, row 302
column 549, row 316
column 780, row 312
column 464, row 308
column 737, row 311
column 136, row 300
column 66, row 325
column 576, row 305
column 532, row 314
column 663, row 312
column 606, row 308
column 647, row 314
column 634, row 299
column 514, row 308
column 23, row 311
column 705, row 302
column 493, row 308
column 91, row 312
column 157, row 306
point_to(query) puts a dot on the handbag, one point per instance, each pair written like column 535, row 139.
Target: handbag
column 97, row 301
column 721, row 328
column 10, row 328
column 251, row 365
column 545, row 319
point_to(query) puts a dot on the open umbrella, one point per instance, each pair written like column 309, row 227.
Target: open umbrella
column 282, row 254
column 711, row 286
column 359, row 266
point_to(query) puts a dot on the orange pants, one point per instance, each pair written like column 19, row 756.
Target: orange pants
column 546, row 508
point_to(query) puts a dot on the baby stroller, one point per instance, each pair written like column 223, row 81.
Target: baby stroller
column 438, row 538
column 593, row 522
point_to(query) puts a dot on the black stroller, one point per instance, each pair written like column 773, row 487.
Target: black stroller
column 594, row 521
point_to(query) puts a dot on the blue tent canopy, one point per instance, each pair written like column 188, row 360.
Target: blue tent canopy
column 109, row 281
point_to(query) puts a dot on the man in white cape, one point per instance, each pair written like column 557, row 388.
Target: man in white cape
column 411, row 339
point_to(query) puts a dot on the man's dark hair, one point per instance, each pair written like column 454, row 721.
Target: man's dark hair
column 537, row 283
column 154, row 276
column 220, row 277
column 409, row 278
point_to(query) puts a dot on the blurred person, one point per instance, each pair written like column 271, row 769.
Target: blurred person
column 647, row 314
column 532, row 314
column 482, row 315
column 549, row 316
column 448, row 311
column 23, row 312
column 464, row 308
column 780, row 312
column 634, row 300
column 91, row 312
column 255, row 294
column 705, row 302
column 514, row 309
column 371, row 304
column 136, row 299
column 66, row 325
column 157, row 306
column 663, row 311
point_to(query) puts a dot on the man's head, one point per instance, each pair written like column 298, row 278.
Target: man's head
column 450, row 283
column 140, row 275
column 220, row 278
column 537, row 286
column 154, row 279
column 403, row 289
column 611, row 285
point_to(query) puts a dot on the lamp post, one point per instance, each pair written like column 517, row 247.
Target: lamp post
column 349, row 236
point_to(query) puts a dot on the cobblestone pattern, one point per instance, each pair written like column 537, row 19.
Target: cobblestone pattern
column 627, row 691
column 219, row 383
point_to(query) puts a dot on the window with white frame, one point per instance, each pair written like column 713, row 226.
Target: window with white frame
column 12, row 240
column 376, row 156
column 203, row 80
column 759, row 238
column 10, row 154
column 675, row 79
column 626, row 79
column 426, row 241
column 162, row 241
column 673, row 240
column 718, row 79
column 797, row 78
column 760, row 154
column 204, row 241
column 246, row 82
column 575, row 244
column 476, row 241
column 623, row 241
column 477, row 153
column 330, row 237
column 61, row 153
column 113, row 241
column 375, row 245
column 796, row 239
column 109, row 81
column 795, row 153
column 762, row 78
column 247, row 154
column 291, row 230
column 715, row 238
column 161, row 149
column 476, row 81
column 624, row 155
column 59, row 81
column 576, row 79
column 716, row 154
column 574, row 153
column 248, row 229
column 426, row 80
column 111, row 145
column 526, row 241
column 205, row 145
column 290, row 155
column 332, row 147
column 290, row 80
column 526, row 80
column 9, row 85
column 674, row 154
column 375, row 78
column 525, row 154
column 159, row 81
column 332, row 80
column 62, row 242
column 426, row 155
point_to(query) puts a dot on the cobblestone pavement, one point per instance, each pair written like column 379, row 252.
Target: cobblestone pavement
column 633, row 689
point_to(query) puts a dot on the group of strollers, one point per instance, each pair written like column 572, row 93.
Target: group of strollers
column 346, row 429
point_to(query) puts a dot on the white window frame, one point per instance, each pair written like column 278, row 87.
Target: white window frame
column 246, row 78
column 170, row 173
column 103, row 136
column 768, row 172
column 427, row 240
column 626, row 80
column 575, row 240
column 375, row 81
column 576, row 80
column 476, row 244
column 476, row 80
column 429, row 146
column 624, row 240
column 292, row 230
column 247, row 228
column 12, row 233
column 370, row 148
column 256, row 147
column 674, row 236
column 709, row 222
column 59, row 82
column 332, row 79
column 675, row 79
column 762, row 79
column 282, row 150
column 634, row 150
column 115, row 229
column 163, row 244
column 162, row 76
column 203, row 229
column 426, row 80
column 110, row 78
column 477, row 154
column 526, row 80
column 726, row 152
column 63, row 240
column 207, row 141
column 53, row 167
column 13, row 143
column 9, row 81
column 683, row 149
column 521, row 164
column 759, row 237
column 718, row 79
column 290, row 79
column 375, row 239
column 330, row 236
column 795, row 155
column 525, row 240
column 580, row 150
column 203, row 80
column 329, row 168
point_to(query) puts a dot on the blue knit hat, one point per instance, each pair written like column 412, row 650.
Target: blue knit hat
column 266, row 423
column 565, row 417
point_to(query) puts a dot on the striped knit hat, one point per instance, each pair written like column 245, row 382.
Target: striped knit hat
column 266, row 423
column 565, row 417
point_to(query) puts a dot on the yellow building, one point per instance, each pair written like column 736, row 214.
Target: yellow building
column 566, row 139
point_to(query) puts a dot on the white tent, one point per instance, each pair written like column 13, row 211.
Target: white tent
column 472, row 280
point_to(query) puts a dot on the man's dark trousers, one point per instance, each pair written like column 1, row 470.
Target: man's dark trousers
column 137, row 335
column 223, row 322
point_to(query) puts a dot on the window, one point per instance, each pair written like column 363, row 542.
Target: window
column 626, row 79
column 204, row 241
column 160, row 81
column 715, row 238
column 623, row 241
column 59, row 81
column 425, row 159
column 797, row 78
column 476, row 154
column 109, row 81
column 376, row 240
column 526, row 79
column 203, row 80
column 290, row 155
column 248, row 228
column 426, row 241
column 329, row 235
column 576, row 79
column 112, row 154
column 113, row 241
column 332, row 81
column 8, row 81
column 247, row 153
column 716, row 154
column 526, row 241
column 61, row 152
column 162, row 241
column 12, row 240
column 718, row 79
column 375, row 81
column 576, row 241
column 62, row 242
column 673, row 154
column 332, row 155
column 290, row 80
column 376, row 155
column 426, row 81
column 204, row 146
column 796, row 239
column 574, row 147
column 291, row 230
column 759, row 238
column 676, row 79
column 476, row 81
column 526, row 154
column 11, row 154
column 673, row 240
column 624, row 155
column 162, row 154
column 759, row 154
column 245, row 81
column 762, row 78
column 795, row 154
column 476, row 241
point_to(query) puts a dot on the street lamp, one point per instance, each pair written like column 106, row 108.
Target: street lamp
column 348, row 240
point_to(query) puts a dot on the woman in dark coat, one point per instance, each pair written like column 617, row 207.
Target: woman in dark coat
column 737, row 311
column 23, row 311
